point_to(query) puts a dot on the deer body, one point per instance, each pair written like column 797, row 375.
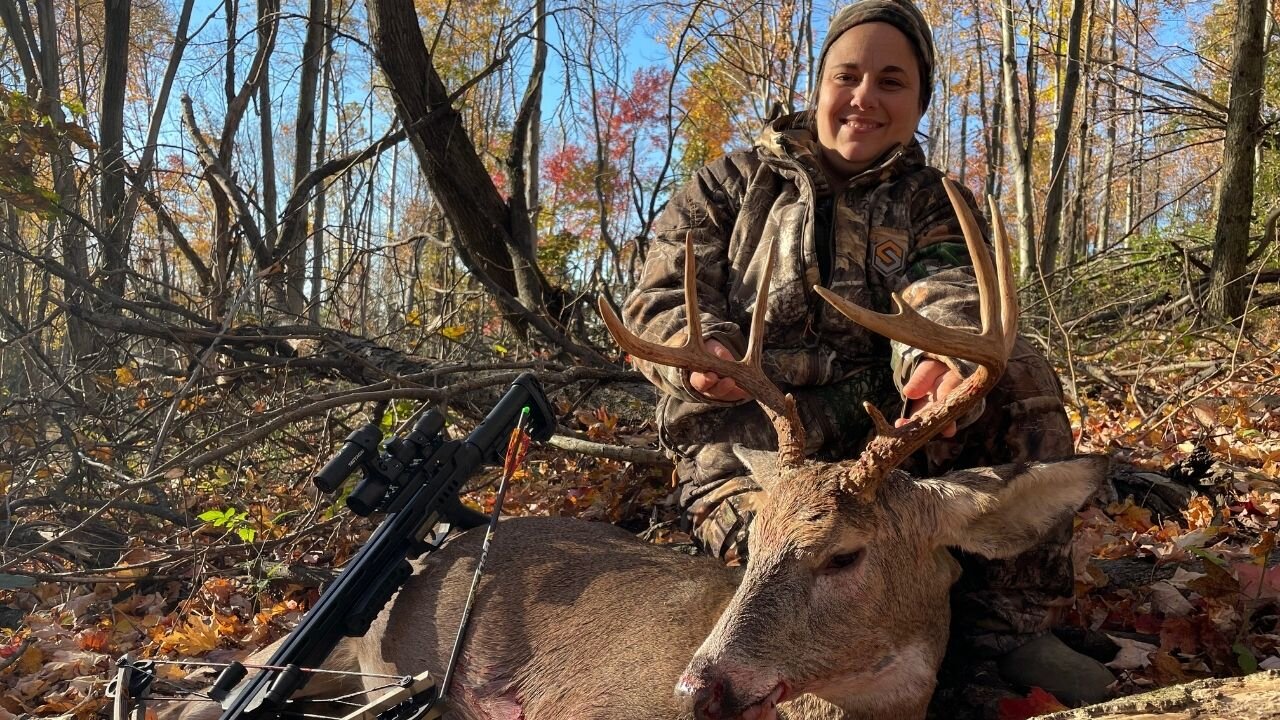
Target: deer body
column 582, row 620
column 573, row 620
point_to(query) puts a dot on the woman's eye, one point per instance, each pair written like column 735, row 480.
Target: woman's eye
column 841, row 561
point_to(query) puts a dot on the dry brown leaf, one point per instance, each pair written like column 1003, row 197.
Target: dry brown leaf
column 1133, row 655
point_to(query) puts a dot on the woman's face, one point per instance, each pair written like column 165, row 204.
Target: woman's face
column 868, row 99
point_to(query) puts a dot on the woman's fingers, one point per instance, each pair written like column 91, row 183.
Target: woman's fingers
column 930, row 381
column 711, row 385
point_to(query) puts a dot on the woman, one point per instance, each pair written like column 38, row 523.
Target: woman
column 844, row 192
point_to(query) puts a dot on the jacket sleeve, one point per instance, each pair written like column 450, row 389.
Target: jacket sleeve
column 939, row 280
column 705, row 210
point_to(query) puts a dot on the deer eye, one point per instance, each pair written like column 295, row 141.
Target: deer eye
column 841, row 561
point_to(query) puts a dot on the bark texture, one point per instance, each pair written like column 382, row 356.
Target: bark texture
column 1254, row 697
column 1227, row 288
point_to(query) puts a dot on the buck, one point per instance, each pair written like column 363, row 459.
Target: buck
column 841, row 610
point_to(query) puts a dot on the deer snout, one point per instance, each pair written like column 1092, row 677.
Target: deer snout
column 703, row 694
column 713, row 691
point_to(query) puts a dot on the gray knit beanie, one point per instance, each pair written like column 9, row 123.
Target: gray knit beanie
column 903, row 15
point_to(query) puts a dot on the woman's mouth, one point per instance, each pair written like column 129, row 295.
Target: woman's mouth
column 862, row 125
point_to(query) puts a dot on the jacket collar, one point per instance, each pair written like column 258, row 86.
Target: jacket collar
column 792, row 140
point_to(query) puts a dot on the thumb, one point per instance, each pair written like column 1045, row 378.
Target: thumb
column 923, row 379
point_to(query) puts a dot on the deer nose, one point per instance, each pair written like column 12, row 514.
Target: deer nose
column 705, row 697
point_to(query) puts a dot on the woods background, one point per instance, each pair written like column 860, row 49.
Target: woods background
column 232, row 232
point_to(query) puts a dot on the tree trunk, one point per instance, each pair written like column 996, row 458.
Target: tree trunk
column 142, row 173
column 992, row 118
column 292, row 249
column 1076, row 223
column 522, row 159
column 115, row 74
column 322, row 141
column 1052, row 234
column 453, row 169
column 1133, row 196
column 1019, row 151
column 268, row 12
column 75, row 254
column 487, row 239
column 1227, row 288
column 1113, row 121
column 964, row 130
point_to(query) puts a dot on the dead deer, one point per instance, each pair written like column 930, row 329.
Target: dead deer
column 841, row 610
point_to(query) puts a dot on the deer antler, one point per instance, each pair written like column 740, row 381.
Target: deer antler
column 747, row 372
column 989, row 348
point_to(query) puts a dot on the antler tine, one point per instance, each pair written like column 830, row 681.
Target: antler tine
column 909, row 327
column 1004, row 271
column 989, row 348
column 694, row 356
column 755, row 343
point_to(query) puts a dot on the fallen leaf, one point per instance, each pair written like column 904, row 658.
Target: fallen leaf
column 1257, row 583
column 1179, row 634
column 1183, row 577
column 1166, row 599
column 1199, row 512
column 1167, row 670
column 1217, row 581
column 1133, row 655
column 1037, row 702
column 31, row 661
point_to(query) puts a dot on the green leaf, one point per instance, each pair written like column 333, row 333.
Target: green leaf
column 75, row 106
column 1245, row 658
column 213, row 516
column 1209, row 557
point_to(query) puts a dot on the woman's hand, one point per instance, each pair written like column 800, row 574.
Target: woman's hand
column 931, row 381
column 711, row 385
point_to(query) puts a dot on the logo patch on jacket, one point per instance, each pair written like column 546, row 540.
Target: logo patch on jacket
column 888, row 250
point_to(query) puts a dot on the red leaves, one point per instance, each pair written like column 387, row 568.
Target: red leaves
column 1038, row 702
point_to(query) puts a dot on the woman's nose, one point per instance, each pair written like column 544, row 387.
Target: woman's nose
column 864, row 96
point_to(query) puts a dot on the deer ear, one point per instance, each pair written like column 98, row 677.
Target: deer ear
column 763, row 464
column 1002, row 511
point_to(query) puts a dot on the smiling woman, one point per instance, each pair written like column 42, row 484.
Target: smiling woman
column 869, row 98
column 843, row 194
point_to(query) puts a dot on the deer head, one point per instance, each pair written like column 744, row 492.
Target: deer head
column 845, row 592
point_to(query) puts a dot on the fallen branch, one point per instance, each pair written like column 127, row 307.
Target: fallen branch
column 1253, row 697
column 640, row 456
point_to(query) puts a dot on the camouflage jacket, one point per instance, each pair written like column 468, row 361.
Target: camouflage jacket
column 893, row 228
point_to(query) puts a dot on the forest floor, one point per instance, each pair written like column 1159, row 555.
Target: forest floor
column 1176, row 562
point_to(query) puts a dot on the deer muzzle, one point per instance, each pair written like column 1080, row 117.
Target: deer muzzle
column 716, row 692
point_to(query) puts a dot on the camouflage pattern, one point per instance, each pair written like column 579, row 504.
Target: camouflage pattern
column 894, row 229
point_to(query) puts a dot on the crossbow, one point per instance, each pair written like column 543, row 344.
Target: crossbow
column 416, row 480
